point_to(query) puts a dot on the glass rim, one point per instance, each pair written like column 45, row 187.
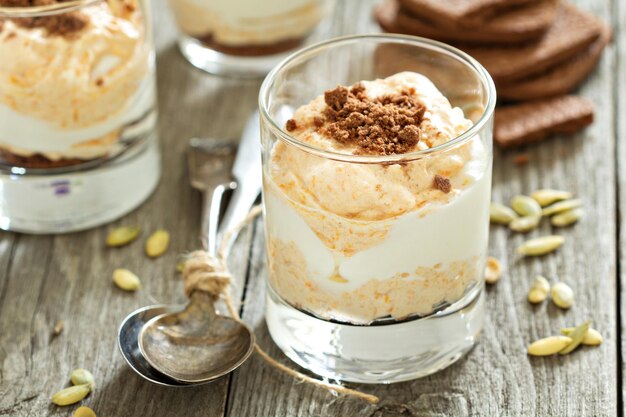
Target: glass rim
column 46, row 10
column 441, row 47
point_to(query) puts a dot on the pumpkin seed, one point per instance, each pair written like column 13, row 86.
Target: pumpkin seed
column 81, row 377
column 157, row 243
column 84, row 412
column 58, row 328
column 566, row 218
column 121, row 236
column 577, row 337
column 493, row 270
column 525, row 206
column 126, row 280
column 539, row 290
column 536, row 296
column 592, row 337
column 501, row 214
column 549, row 345
column 71, row 395
column 524, row 224
column 562, row 295
column 548, row 196
column 541, row 245
column 562, row 206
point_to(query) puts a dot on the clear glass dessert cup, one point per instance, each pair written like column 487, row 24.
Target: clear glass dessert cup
column 247, row 38
column 375, row 269
column 78, row 113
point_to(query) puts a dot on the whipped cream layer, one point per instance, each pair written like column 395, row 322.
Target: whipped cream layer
column 71, row 96
column 355, row 242
column 248, row 22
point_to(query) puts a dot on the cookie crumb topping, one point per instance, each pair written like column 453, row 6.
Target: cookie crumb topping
column 442, row 184
column 385, row 125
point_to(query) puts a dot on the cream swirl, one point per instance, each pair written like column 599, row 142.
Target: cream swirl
column 69, row 96
column 375, row 191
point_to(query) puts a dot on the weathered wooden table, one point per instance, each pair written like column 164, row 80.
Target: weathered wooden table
column 47, row 278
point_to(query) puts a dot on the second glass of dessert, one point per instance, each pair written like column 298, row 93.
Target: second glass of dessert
column 377, row 163
column 246, row 37
column 78, row 111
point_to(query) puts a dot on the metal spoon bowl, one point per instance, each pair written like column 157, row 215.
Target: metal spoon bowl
column 195, row 345
column 128, row 344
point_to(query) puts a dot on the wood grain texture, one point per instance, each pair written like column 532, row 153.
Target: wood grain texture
column 619, row 79
column 44, row 278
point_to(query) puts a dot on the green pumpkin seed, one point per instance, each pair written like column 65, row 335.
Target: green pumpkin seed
column 536, row 296
column 592, row 337
column 493, row 270
column 71, row 395
column 84, row 412
column 577, row 337
column 58, row 328
column 121, row 236
column 549, row 345
column 566, row 218
column 501, row 214
column 81, row 377
column 562, row 206
column 524, row 224
column 126, row 280
column 541, row 245
column 525, row 206
column 562, row 295
column 539, row 290
column 157, row 243
column 547, row 196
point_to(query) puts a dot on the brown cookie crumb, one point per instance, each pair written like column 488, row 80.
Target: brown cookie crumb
column 357, row 88
column 442, row 183
column 99, row 82
column 318, row 121
column 337, row 98
column 291, row 125
column 383, row 126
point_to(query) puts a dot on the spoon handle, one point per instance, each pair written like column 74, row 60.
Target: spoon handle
column 211, row 208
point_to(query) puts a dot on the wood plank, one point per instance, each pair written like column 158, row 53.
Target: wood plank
column 497, row 377
column 68, row 277
column 619, row 39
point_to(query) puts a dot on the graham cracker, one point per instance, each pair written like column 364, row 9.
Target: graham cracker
column 558, row 80
column 572, row 33
column 534, row 121
column 516, row 25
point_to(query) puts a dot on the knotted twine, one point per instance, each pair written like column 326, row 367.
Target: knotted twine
column 206, row 272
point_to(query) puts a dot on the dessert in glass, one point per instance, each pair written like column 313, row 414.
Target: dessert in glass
column 246, row 37
column 77, row 112
column 377, row 163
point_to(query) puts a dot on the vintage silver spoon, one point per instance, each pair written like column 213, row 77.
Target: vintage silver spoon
column 195, row 345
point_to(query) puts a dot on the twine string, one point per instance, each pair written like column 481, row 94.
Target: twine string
column 209, row 273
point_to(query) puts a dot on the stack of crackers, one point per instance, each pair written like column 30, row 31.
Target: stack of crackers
column 537, row 51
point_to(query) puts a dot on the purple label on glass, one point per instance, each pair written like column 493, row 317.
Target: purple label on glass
column 61, row 188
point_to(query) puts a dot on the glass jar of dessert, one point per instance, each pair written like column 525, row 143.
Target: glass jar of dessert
column 246, row 37
column 77, row 112
column 377, row 153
